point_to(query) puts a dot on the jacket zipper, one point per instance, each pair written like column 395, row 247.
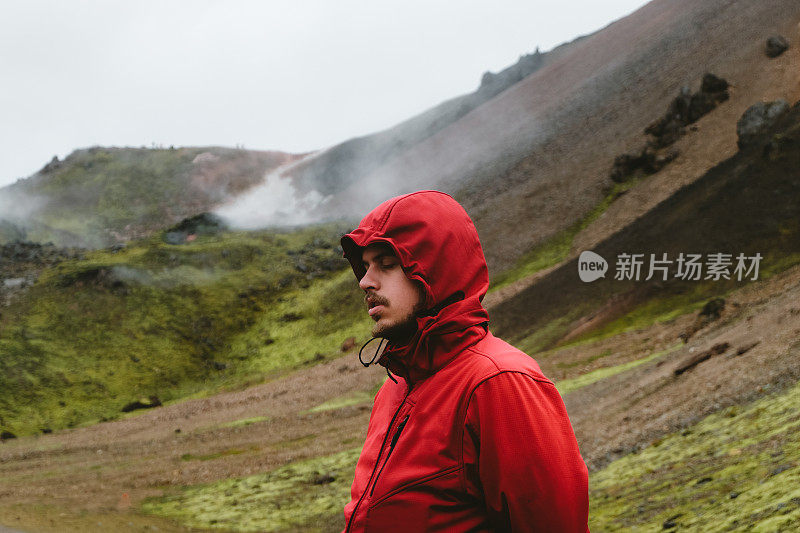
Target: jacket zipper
column 378, row 461
column 400, row 427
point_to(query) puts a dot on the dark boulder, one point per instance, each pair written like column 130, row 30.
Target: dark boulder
column 667, row 129
column 713, row 84
column 710, row 312
column 695, row 360
column 713, row 308
column 687, row 108
column 647, row 161
column 322, row 479
column 348, row 344
column 703, row 103
column 142, row 403
column 757, row 118
column 53, row 165
column 202, row 224
column 776, row 45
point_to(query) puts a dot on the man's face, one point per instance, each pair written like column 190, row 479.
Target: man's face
column 392, row 299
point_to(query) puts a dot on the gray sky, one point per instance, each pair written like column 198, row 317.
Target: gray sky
column 284, row 75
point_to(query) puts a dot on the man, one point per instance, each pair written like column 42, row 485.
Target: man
column 473, row 437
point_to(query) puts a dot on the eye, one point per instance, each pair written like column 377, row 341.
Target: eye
column 387, row 265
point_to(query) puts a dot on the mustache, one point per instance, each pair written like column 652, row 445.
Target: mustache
column 376, row 299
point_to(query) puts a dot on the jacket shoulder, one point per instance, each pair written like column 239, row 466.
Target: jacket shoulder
column 491, row 356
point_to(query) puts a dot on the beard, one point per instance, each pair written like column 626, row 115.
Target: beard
column 398, row 332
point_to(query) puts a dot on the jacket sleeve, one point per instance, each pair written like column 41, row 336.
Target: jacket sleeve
column 521, row 457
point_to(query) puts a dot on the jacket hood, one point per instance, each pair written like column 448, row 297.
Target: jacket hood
column 438, row 246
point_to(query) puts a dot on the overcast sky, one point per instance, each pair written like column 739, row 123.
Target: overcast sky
column 283, row 75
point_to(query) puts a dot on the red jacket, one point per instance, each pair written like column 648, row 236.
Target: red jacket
column 474, row 437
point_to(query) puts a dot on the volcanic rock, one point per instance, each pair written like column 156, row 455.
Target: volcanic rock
column 757, row 118
column 776, row 45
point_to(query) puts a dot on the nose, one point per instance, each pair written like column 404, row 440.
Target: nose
column 368, row 281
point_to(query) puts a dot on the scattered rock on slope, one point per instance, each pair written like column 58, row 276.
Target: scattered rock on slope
column 687, row 108
column 142, row 403
column 495, row 83
column 757, row 118
column 648, row 161
column 188, row 228
column 695, row 360
column 711, row 311
column 776, row 45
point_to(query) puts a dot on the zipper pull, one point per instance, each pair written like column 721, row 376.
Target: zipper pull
column 400, row 427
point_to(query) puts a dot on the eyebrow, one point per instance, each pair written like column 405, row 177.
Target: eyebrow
column 380, row 256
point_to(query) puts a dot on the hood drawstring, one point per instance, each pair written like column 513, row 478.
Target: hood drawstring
column 374, row 357
column 389, row 373
column 377, row 352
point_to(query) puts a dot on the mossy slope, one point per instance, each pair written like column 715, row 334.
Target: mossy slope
column 306, row 495
column 226, row 310
column 738, row 469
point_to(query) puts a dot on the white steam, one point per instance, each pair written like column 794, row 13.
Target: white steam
column 17, row 206
column 276, row 202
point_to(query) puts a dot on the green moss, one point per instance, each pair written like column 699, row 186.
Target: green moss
column 549, row 334
column 304, row 325
column 217, row 455
column 738, row 469
column 294, row 442
column 243, row 422
column 358, row 398
column 569, row 385
column 307, row 495
column 540, row 257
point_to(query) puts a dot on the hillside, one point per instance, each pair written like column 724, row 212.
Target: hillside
column 98, row 196
column 747, row 204
column 535, row 159
column 95, row 332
